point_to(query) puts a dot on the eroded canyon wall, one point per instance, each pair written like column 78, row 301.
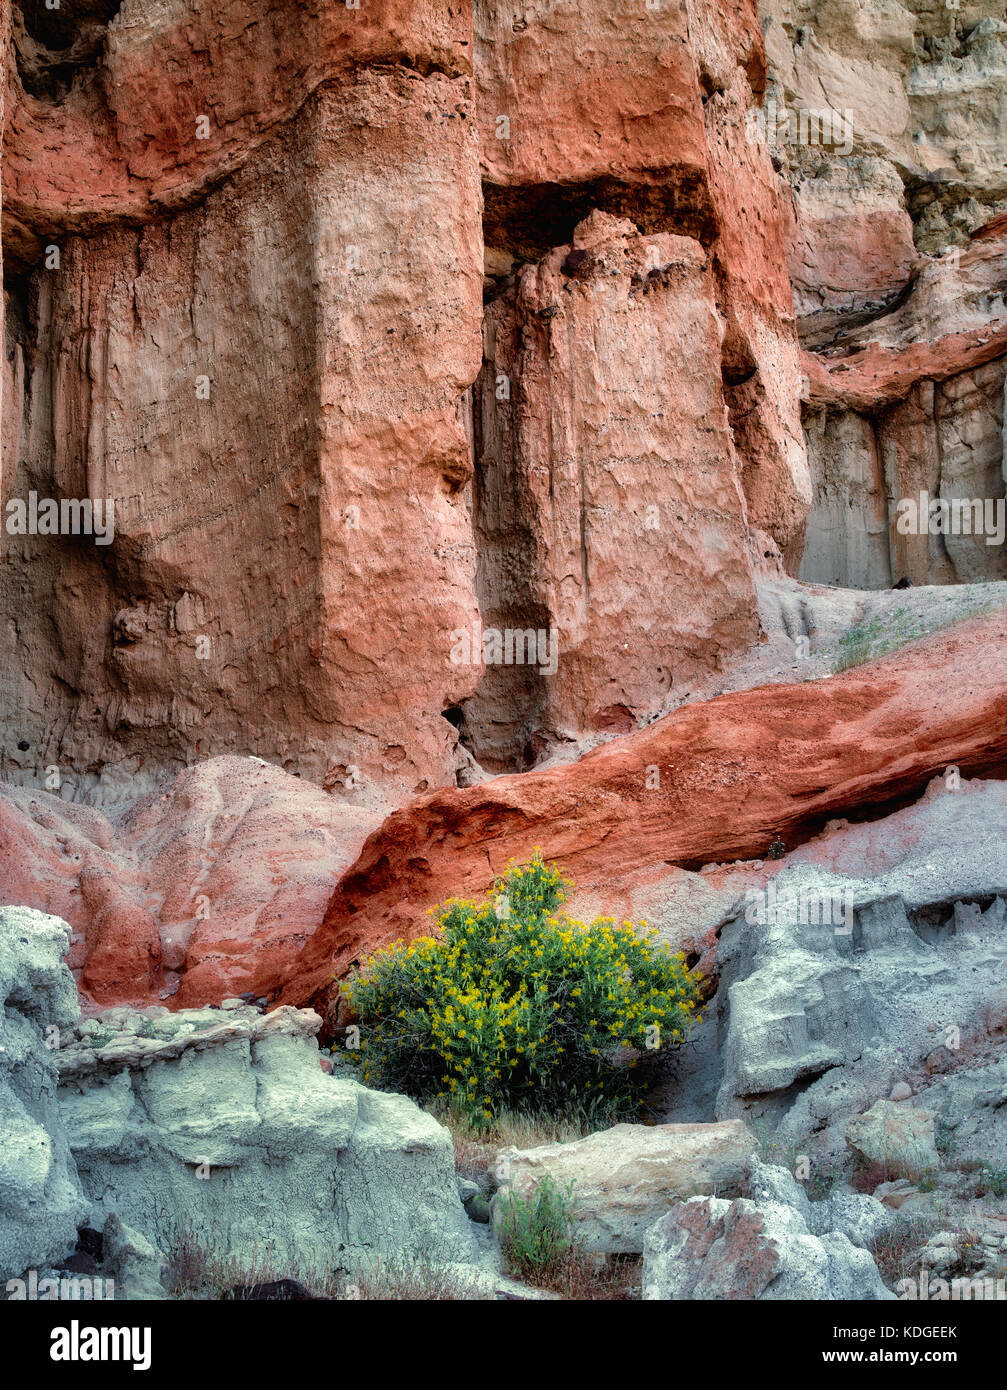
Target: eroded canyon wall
column 246, row 252
column 255, row 340
column 888, row 120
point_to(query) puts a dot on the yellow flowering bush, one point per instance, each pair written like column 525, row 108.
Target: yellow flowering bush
column 515, row 1005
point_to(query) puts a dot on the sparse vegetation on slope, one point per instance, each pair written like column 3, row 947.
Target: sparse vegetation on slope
column 876, row 637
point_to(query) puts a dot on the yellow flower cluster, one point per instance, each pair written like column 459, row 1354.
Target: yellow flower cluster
column 516, row 1004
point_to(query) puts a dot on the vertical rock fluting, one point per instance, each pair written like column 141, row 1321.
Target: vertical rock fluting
column 256, row 344
column 910, row 406
column 638, row 405
column 244, row 256
column 889, row 121
column 611, row 453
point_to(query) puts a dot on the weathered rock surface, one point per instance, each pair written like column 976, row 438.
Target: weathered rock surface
column 708, row 1248
column 257, row 346
column 912, row 403
column 206, row 889
column 858, row 1217
column 41, row 1203
column 214, row 1126
column 731, row 774
column 887, row 122
column 905, row 73
column 140, row 1272
column 971, row 1106
column 625, row 1177
column 253, row 323
column 610, row 511
column 898, row 1137
column 852, row 250
column 229, row 1126
column 881, row 958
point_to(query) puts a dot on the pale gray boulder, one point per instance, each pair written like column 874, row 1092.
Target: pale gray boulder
column 41, row 1202
column 624, row 1177
column 712, row 1249
column 768, row 1182
column 229, row 1132
column 139, row 1272
column 896, row 1136
column 859, row 1217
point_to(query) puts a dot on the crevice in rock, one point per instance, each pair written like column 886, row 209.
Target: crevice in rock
column 528, row 221
column 827, row 332
column 935, row 922
column 500, row 722
column 53, row 46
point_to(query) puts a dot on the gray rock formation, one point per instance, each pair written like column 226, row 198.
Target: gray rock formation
column 140, row 1273
column 897, row 1136
column 828, row 1000
column 769, row 1248
column 230, row 1127
column 860, row 1218
column 41, row 1201
column 972, row 1114
column 219, row 1127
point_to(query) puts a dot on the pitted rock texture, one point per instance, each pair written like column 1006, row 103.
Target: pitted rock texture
column 245, row 251
column 898, row 1137
column 41, row 1203
column 608, row 474
column 913, row 402
column 877, row 966
column 268, row 385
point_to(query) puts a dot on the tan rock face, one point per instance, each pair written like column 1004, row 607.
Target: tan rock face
column 760, row 366
column 131, row 109
column 627, row 1177
column 887, row 120
column 591, row 91
column 851, row 247
column 913, row 402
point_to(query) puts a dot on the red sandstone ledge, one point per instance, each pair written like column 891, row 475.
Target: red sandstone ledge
column 734, row 772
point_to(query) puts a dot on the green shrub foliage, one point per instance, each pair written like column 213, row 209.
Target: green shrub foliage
column 515, row 1005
